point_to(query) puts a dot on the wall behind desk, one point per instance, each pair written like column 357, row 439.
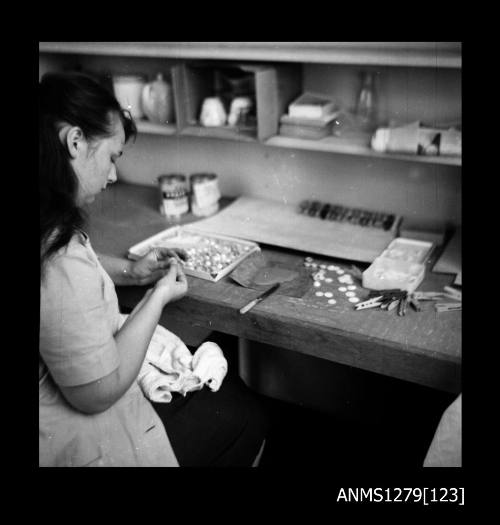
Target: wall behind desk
column 426, row 195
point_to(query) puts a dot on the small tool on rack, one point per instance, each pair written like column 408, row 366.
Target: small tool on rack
column 370, row 303
column 403, row 302
column 428, row 296
column 414, row 303
column 448, row 307
column 453, row 293
column 385, row 299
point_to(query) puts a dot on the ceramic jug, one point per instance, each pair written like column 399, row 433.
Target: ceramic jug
column 157, row 101
column 128, row 90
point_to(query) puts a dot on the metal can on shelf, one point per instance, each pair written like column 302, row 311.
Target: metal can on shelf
column 205, row 194
column 174, row 193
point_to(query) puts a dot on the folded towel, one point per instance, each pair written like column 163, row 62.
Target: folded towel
column 170, row 367
column 210, row 365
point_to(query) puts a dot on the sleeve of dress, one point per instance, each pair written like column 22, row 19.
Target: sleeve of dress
column 76, row 321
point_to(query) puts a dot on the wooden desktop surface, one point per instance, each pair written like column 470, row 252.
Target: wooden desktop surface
column 421, row 347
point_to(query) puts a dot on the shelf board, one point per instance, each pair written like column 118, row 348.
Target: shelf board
column 144, row 126
column 411, row 54
column 352, row 145
column 355, row 145
column 222, row 132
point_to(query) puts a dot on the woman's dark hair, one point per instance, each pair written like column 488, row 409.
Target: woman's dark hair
column 78, row 100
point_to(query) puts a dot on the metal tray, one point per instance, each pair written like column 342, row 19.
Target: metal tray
column 221, row 253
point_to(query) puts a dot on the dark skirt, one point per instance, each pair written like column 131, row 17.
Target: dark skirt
column 215, row 429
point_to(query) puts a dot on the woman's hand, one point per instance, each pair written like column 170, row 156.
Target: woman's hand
column 154, row 264
column 173, row 285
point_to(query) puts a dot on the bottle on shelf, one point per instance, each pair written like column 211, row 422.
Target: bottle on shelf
column 157, row 102
column 367, row 104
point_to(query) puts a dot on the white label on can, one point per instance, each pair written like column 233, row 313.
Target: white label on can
column 175, row 206
column 206, row 193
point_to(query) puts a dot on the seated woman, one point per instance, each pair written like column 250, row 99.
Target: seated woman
column 92, row 411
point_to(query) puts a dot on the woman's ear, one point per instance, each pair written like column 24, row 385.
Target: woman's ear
column 72, row 137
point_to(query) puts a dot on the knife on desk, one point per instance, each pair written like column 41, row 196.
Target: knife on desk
column 262, row 296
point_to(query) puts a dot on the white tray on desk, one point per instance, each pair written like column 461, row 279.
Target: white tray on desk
column 277, row 224
column 185, row 237
column 400, row 266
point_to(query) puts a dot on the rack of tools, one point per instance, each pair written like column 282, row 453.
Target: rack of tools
column 395, row 298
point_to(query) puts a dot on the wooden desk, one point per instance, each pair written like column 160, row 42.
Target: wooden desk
column 421, row 347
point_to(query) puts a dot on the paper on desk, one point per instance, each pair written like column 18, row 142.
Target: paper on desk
column 277, row 224
column 255, row 268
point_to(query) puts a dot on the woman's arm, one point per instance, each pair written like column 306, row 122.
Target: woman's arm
column 144, row 271
column 120, row 270
column 132, row 341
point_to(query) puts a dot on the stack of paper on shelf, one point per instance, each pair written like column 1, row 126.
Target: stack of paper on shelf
column 310, row 117
column 310, row 105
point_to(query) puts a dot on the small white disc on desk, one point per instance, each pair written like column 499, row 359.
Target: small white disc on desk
column 340, row 271
column 328, row 294
column 342, row 289
column 319, row 294
column 332, row 301
column 317, row 284
column 350, row 294
column 351, row 287
column 328, row 280
column 354, row 299
column 331, row 268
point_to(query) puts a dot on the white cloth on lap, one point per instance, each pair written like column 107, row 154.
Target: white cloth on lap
column 210, row 365
column 166, row 367
column 170, row 367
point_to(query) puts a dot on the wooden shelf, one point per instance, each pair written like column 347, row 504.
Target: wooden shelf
column 223, row 132
column 355, row 145
column 411, row 54
column 145, row 126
